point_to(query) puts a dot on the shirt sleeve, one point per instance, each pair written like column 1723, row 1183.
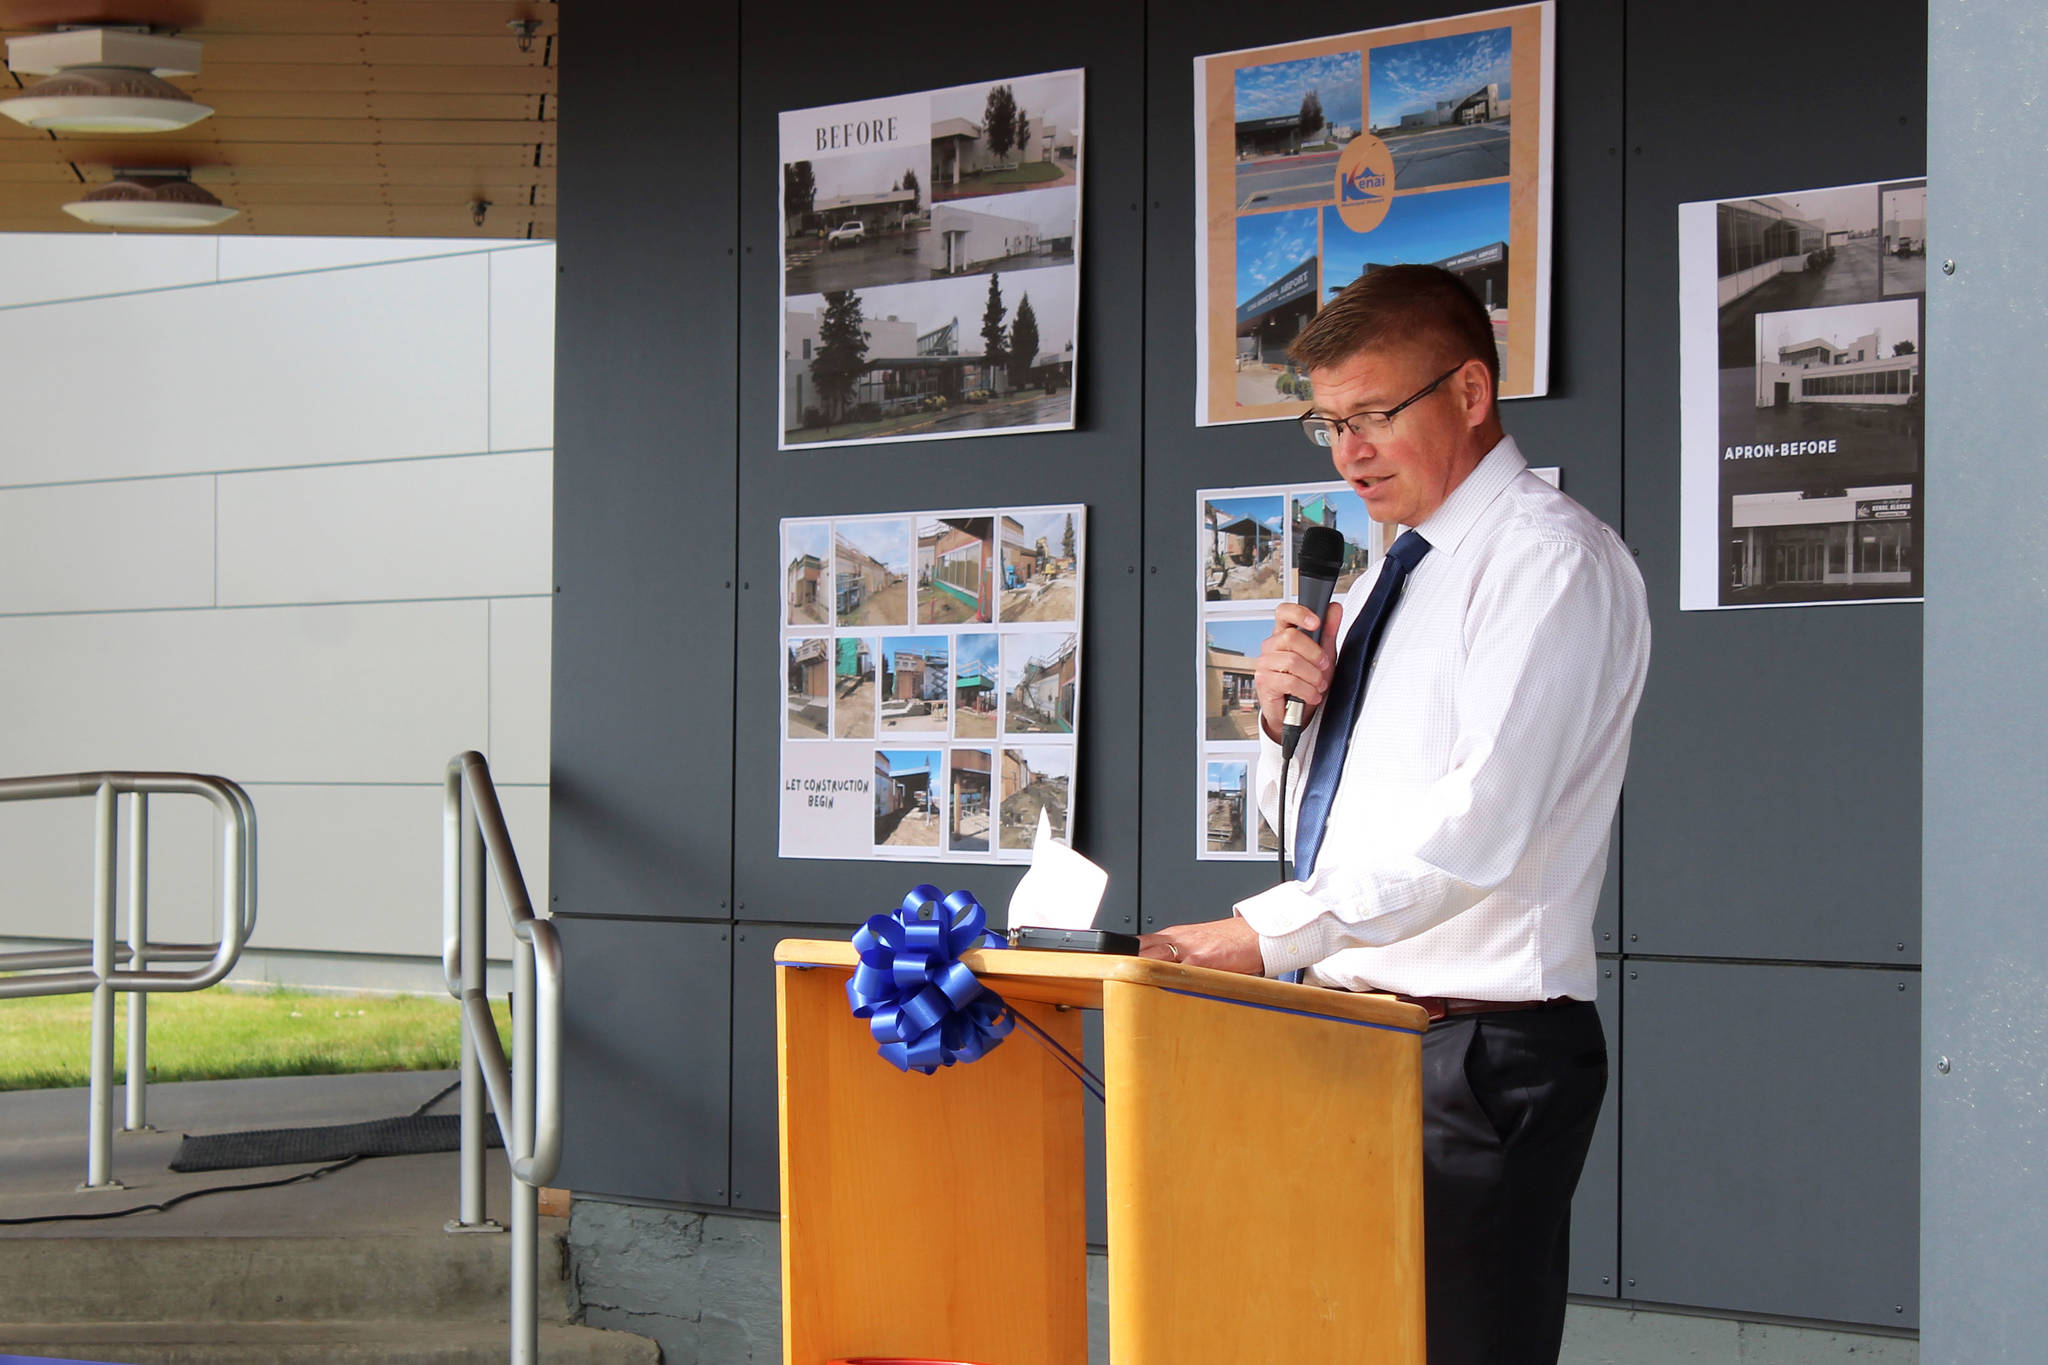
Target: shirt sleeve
column 1539, row 640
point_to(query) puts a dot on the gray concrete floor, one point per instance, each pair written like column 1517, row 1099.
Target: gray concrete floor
column 43, row 1155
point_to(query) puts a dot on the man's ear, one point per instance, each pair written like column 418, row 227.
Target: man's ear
column 1475, row 391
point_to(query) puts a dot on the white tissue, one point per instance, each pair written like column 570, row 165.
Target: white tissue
column 1062, row 889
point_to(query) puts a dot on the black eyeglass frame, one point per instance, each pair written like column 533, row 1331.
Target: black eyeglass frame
column 1382, row 419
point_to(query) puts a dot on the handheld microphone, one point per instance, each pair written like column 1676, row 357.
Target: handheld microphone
column 1322, row 556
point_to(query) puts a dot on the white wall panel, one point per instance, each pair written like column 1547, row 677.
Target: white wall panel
column 521, row 686
column 358, row 869
column 523, row 348
column 468, row 527
column 36, row 267
column 46, row 849
column 288, row 370
column 242, row 257
column 105, row 546
column 379, row 693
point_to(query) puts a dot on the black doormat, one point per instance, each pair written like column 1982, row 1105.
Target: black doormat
column 408, row 1136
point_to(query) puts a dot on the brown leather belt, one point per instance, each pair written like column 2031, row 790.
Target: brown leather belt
column 1444, row 1007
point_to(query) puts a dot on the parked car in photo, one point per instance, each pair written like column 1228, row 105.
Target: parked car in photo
column 851, row 233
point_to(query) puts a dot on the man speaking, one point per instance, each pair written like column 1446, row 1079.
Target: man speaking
column 1451, row 800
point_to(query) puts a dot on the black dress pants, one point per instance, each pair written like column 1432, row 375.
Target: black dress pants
column 1509, row 1100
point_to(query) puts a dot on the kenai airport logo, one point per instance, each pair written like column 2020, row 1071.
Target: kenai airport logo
column 1365, row 182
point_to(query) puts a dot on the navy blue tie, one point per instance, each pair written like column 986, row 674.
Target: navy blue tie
column 1347, row 690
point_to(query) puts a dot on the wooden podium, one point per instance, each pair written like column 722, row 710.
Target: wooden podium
column 1264, row 1169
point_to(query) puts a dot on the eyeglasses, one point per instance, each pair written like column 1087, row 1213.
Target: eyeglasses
column 1323, row 430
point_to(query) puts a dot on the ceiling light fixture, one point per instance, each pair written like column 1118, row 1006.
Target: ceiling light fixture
column 104, row 80
column 523, row 30
column 150, row 199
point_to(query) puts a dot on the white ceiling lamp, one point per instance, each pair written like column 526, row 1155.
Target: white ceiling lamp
column 104, row 80
column 151, row 199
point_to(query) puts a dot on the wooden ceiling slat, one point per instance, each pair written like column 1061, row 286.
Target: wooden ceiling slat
column 397, row 17
column 49, row 197
column 180, row 152
column 247, row 104
column 222, row 179
column 223, row 132
column 452, row 80
column 230, row 49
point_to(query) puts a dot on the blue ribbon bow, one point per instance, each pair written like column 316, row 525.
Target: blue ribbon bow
column 922, row 1004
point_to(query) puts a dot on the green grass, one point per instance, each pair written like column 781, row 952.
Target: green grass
column 223, row 1034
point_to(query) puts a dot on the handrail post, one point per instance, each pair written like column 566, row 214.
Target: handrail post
column 99, row 1155
column 474, row 1100
column 138, row 946
column 525, row 1198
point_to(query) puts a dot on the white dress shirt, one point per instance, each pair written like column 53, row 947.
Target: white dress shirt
column 1468, row 836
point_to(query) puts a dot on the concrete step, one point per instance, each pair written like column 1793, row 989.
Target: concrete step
column 318, row 1343
column 428, row 1277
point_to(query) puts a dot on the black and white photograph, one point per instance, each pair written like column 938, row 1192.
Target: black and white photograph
column 856, row 661
column 1902, row 213
column 966, row 354
column 1041, row 566
column 1230, row 701
column 977, row 687
column 970, row 786
column 1442, row 105
column 930, row 245
column 916, row 685
column 871, row 572
column 1226, row 805
column 810, row 681
column 1802, row 409
column 1035, row 778
column 1241, row 541
column 907, row 790
column 1041, row 683
column 1004, row 136
column 805, row 585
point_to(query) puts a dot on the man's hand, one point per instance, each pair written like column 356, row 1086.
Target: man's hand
column 1291, row 664
column 1228, row 945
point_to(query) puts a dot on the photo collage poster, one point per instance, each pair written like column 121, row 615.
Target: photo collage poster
column 931, row 665
column 1247, row 541
column 1317, row 162
column 931, row 263
column 1802, row 323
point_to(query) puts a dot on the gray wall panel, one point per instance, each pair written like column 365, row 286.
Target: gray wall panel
column 1771, row 1157
column 1771, row 807
column 756, row 1146
column 644, row 472
column 1576, row 427
column 842, row 54
column 646, row 1067
column 1984, row 1183
column 1596, row 1208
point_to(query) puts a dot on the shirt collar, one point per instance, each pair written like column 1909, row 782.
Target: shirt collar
column 1446, row 527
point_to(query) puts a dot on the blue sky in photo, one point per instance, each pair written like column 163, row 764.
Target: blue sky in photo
column 1051, row 525
column 911, row 760
column 1264, row 510
column 1244, row 636
column 1226, row 776
column 926, row 646
column 1271, row 91
column 1419, row 229
column 1352, row 522
column 976, row 651
column 1410, row 77
column 888, row 542
column 809, row 539
column 1271, row 244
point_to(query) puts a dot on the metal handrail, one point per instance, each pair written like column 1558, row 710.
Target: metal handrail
column 110, row 967
column 529, row 1091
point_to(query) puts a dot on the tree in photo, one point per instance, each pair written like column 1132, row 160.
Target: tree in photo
column 1905, row 348
column 999, row 119
column 910, row 183
column 1311, row 114
column 799, row 192
column 1023, row 342
column 1023, row 136
column 842, row 350
column 994, row 349
column 1067, row 540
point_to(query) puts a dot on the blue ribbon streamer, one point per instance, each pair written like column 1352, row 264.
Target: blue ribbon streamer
column 923, row 1006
